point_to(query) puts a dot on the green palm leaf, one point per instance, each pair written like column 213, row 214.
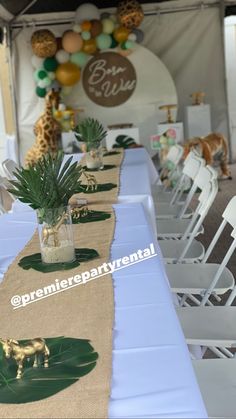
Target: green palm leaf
column 47, row 184
column 69, row 360
column 90, row 131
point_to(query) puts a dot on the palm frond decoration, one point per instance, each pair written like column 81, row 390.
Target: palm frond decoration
column 47, row 184
column 90, row 131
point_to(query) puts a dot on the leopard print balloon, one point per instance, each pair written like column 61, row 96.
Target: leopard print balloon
column 130, row 13
column 43, row 43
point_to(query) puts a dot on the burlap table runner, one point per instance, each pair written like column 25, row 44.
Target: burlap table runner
column 84, row 312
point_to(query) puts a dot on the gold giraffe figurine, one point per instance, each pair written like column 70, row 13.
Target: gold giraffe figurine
column 13, row 349
column 46, row 129
column 168, row 109
column 198, row 98
column 91, row 180
column 53, row 231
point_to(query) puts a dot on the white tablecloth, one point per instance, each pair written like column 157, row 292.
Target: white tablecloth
column 152, row 375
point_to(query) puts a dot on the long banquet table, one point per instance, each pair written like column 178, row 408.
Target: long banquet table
column 152, row 375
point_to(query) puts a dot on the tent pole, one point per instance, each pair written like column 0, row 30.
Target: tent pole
column 23, row 11
column 222, row 17
column 153, row 12
column 12, row 87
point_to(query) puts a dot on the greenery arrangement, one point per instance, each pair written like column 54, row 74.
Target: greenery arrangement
column 69, row 360
column 48, row 184
column 91, row 132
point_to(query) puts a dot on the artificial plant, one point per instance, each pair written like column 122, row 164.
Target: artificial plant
column 47, row 185
column 91, row 132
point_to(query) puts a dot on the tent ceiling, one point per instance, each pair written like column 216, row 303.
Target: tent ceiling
column 42, row 6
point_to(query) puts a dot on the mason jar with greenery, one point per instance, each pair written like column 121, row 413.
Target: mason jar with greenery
column 47, row 187
column 91, row 133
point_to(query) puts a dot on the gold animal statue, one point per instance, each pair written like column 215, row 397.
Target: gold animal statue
column 91, row 180
column 53, row 231
column 80, row 212
column 211, row 147
column 168, row 109
column 198, row 98
column 46, row 129
column 13, row 349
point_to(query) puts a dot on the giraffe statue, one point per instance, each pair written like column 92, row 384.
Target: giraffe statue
column 46, row 129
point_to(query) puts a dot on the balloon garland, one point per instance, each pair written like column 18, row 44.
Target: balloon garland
column 57, row 62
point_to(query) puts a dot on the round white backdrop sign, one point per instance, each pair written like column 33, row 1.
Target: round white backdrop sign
column 154, row 87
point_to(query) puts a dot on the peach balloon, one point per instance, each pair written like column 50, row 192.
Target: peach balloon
column 72, row 42
column 68, row 74
column 90, row 46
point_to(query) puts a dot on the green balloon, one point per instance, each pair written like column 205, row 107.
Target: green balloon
column 103, row 41
column 86, row 35
column 114, row 43
column 129, row 44
column 170, row 165
column 171, row 141
column 41, row 92
column 50, row 64
column 36, row 75
column 79, row 58
column 123, row 45
column 42, row 74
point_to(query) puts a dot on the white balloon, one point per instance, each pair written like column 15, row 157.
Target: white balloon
column 44, row 83
column 77, row 28
column 51, row 75
column 62, row 56
column 132, row 37
column 86, row 11
column 37, row 62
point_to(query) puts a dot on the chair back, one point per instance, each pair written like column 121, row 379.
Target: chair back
column 6, row 198
column 206, row 199
column 9, row 167
column 192, row 165
column 229, row 213
column 228, row 217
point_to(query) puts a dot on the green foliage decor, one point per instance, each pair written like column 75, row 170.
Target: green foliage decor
column 69, row 360
column 48, row 184
column 91, row 132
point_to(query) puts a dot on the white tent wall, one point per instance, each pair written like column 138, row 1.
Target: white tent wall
column 230, row 57
column 190, row 44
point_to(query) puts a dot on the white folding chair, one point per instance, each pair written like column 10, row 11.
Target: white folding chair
column 9, row 167
column 174, row 209
column 217, row 382
column 206, row 279
column 191, row 166
column 189, row 250
column 182, row 228
column 5, row 197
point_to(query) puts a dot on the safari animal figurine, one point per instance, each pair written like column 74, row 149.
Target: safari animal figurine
column 78, row 213
column 47, row 130
column 91, row 180
column 212, row 146
column 35, row 347
column 53, row 231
